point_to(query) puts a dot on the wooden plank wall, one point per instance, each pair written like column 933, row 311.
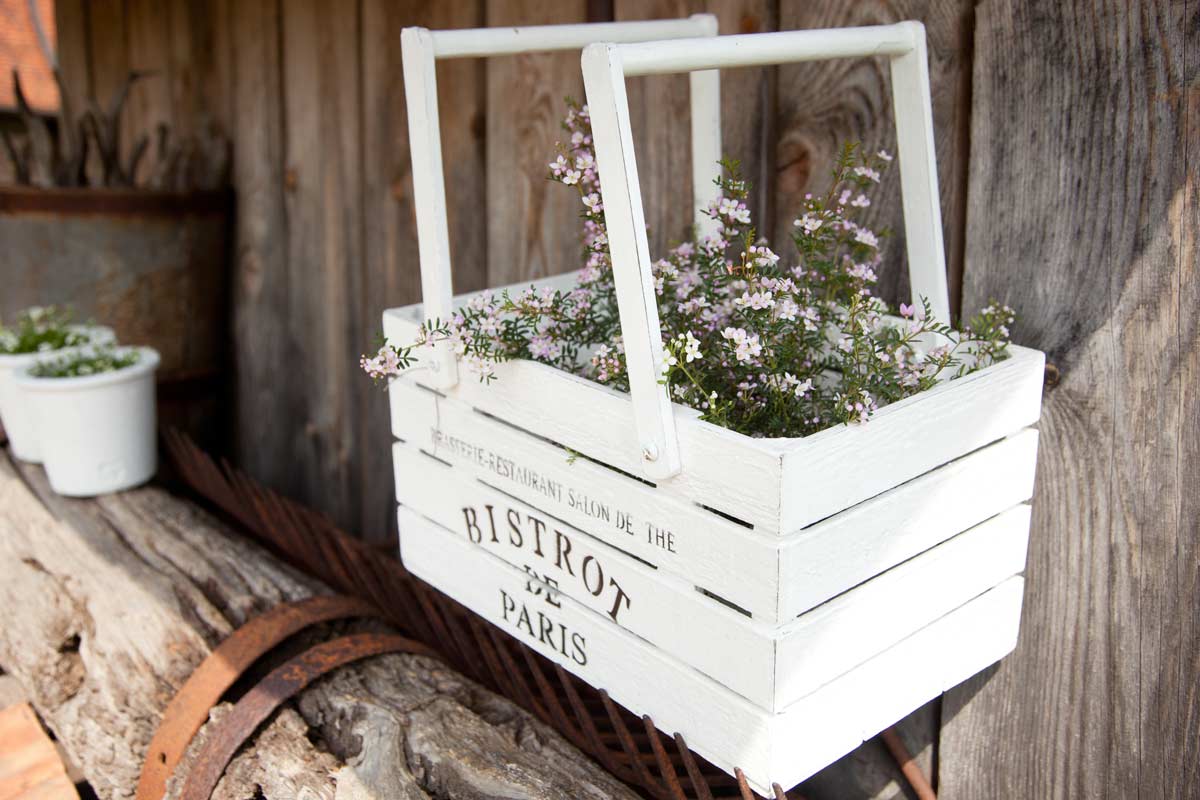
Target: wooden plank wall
column 1093, row 237
column 1068, row 189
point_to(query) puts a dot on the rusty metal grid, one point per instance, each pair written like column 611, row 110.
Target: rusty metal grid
column 631, row 748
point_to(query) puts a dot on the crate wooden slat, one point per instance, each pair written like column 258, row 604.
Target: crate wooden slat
column 745, row 477
column 725, row 728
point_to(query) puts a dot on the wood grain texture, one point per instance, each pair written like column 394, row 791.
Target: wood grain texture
column 658, row 108
column 150, row 50
column 822, row 105
column 391, row 271
column 323, row 205
column 533, row 225
column 72, row 48
column 260, row 268
column 1083, row 216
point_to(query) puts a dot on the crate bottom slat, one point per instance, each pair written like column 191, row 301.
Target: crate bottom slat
column 728, row 730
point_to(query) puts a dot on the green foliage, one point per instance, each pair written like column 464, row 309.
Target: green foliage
column 81, row 364
column 39, row 330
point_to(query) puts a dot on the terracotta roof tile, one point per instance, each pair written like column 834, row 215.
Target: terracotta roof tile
column 19, row 49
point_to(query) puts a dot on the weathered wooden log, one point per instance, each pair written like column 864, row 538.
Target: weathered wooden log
column 109, row 604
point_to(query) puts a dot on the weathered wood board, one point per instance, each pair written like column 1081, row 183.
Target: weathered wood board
column 1083, row 216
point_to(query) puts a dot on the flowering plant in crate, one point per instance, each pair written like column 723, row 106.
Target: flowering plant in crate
column 756, row 344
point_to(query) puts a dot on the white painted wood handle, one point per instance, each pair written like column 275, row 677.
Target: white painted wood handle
column 605, row 68
column 421, row 48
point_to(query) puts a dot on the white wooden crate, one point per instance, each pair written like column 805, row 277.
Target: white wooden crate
column 770, row 665
column 785, row 746
column 774, row 600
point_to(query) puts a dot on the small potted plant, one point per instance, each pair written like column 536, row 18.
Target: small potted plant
column 36, row 333
column 94, row 414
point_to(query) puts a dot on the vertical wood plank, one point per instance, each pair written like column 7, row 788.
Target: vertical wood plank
column 71, row 47
column 109, row 49
column 1082, row 215
column 391, row 270
column 658, row 107
column 266, row 409
column 533, row 225
column 825, row 104
column 150, row 104
column 323, row 177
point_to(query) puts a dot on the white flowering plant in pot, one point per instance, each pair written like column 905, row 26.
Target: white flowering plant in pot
column 94, row 414
column 757, row 344
column 34, row 333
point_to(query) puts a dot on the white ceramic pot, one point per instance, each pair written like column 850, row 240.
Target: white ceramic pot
column 97, row 432
column 14, row 415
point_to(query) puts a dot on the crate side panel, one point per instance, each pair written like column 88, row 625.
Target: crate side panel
column 853, row 627
column 884, row 689
column 656, row 524
column 828, row 558
column 664, row 610
column 838, row 467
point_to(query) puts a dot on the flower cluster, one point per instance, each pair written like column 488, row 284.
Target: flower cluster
column 41, row 329
column 757, row 344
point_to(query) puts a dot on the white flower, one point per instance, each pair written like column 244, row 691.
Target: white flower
column 584, row 161
column 885, row 155
column 572, row 177
column 746, row 345
column 592, row 201
column 809, row 223
column 762, row 255
column 558, row 166
column 866, row 237
column 755, row 300
column 867, row 172
column 691, row 350
column 862, row 201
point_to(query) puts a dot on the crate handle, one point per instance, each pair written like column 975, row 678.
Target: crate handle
column 605, row 68
column 421, row 48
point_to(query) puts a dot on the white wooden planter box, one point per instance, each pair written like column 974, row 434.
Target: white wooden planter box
column 776, row 601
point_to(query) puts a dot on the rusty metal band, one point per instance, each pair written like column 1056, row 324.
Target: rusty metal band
column 221, row 669
column 233, row 729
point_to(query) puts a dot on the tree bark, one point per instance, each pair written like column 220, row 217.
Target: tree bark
column 109, row 604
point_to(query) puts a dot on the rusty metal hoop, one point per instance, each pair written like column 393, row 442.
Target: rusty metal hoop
column 222, row 667
column 233, row 729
